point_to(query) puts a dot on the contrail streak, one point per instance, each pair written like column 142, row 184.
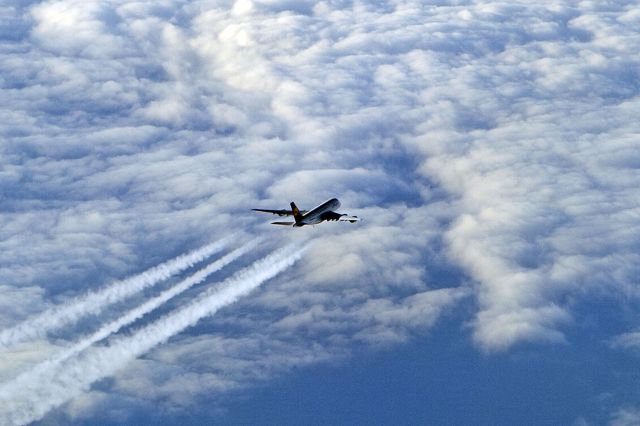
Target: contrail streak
column 92, row 303
column 114, row 326
column 55, row 387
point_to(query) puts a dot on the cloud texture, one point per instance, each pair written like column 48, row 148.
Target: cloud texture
column 491, row 148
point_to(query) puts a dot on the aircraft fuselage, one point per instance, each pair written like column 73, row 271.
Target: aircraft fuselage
column 318, row 214
column 324, row 212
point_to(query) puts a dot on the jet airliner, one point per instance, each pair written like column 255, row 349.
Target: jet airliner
column 324, row 212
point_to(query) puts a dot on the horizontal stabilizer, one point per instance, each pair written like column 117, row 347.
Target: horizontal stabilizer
column 352, row 219
column 283, row 223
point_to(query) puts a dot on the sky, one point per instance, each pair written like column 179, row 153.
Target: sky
column 491, row 149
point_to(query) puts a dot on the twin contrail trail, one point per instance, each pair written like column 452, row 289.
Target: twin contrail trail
column 31, row 396
column 94, row 302
column 134, row 314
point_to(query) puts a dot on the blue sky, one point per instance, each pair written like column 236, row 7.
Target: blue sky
column 491, row 148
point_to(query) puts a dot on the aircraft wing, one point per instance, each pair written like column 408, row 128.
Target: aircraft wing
column 283, row 212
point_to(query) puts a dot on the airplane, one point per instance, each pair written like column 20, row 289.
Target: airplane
column 324, row 212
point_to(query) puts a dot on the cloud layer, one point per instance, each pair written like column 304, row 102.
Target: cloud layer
column 490, row 147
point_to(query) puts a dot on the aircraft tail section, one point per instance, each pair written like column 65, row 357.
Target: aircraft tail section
column 296, row 212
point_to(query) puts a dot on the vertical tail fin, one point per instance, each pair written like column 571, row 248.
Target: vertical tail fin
column 296, row 212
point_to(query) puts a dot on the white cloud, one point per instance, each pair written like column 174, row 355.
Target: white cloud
column 492, row 141
column 625, row 417
column 630, row 340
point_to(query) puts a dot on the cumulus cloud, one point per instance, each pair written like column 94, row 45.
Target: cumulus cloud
column 490, row 148
column 625, row 417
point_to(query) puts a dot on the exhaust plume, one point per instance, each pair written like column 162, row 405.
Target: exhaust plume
column 114, row 326
column 57, row 386
column 94, row 302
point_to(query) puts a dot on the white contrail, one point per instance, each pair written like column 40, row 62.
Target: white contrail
column 57, row 386
column 134, row 314
column 92, row 303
